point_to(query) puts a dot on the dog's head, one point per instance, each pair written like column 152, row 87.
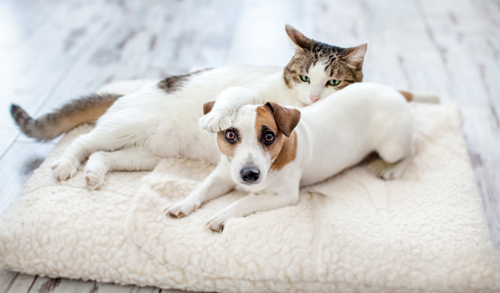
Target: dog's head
column 261, row 139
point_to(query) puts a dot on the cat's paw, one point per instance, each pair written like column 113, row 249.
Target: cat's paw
column 216, row 222
column 63, row 169
column 391, row 173
column 94, row 177
column 182, row 208
column 215, row 121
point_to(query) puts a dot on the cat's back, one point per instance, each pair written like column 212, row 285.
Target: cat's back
column 216, row 80
column 193, row 90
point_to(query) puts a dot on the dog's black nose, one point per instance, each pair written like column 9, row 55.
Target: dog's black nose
column 250, row 174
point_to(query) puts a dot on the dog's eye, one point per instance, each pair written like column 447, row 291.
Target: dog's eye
column 230, row 135
column 305, row 78
column 269, row 137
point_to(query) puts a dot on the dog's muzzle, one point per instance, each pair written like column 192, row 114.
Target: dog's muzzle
column 250, row 174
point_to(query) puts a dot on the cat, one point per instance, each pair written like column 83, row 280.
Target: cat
column 345, row 67
column 162, row 119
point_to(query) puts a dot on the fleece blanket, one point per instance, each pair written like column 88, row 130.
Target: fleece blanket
column 353, row 232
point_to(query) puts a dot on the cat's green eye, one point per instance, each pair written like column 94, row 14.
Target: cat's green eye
column 333, row 82
column 305, row 78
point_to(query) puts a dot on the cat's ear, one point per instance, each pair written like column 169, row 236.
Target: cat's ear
column 302, row 42
column 355, row 56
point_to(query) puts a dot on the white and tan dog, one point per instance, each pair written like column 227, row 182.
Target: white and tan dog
column 267, row 152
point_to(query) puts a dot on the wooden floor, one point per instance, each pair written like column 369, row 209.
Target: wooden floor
column 55, row 50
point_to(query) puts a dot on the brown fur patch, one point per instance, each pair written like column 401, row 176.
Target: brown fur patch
column 175, row 82
column 265, row 122
column 85, row 110
column 285, row 118
column 227, row 148
column 283, row 149
column 207, row 107
column 339, row 65
column 287, row 153
column 408, row 96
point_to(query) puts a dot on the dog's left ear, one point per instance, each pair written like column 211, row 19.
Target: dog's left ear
column 207, row 107
column 285, row 118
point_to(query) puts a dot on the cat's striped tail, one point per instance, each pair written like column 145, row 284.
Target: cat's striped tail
column 420, row 97
column 85, row 110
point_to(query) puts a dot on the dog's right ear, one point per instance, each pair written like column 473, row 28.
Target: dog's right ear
column 285, row 118
column 207, row 107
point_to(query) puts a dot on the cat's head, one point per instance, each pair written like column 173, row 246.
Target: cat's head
column 318, row 70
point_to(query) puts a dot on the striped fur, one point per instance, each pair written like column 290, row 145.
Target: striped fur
column 85, row 110
column 343, row 64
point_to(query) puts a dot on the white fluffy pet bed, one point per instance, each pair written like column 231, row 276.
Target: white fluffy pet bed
column 354, row 232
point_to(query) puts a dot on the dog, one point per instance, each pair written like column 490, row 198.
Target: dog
column 271, row 151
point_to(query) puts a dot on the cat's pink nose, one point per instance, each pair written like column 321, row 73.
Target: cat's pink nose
column 314, row 99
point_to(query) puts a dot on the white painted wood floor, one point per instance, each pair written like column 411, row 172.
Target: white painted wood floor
column 52, row 51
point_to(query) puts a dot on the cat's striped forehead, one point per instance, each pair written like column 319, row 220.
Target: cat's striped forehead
column 320, row 52
column 328, row 56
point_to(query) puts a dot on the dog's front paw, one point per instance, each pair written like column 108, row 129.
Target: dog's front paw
column 63, row 169
column 217, row 222
column 182, row 209
column 215, row 121
column 95, row 177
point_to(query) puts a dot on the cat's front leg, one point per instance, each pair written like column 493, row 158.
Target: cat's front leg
column 223, row 112
column 216, row 184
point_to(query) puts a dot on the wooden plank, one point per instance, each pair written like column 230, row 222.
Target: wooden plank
column 48, row 285
column 484, row 52
column 20, row 19
column 259, row 36
column 357, row 23
column 408, row 53
column 62, row 285
column 12, row 282
column 121, row 51
column 6, row 280
column 482, row 134
column 16, row 167
column 114, row 288
column 30, row 71
column 490, row 12
column 451, row 31
column 198, row 36
column 470, row 50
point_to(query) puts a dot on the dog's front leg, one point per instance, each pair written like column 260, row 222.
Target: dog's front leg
column 219, row 182
column 251, row 204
